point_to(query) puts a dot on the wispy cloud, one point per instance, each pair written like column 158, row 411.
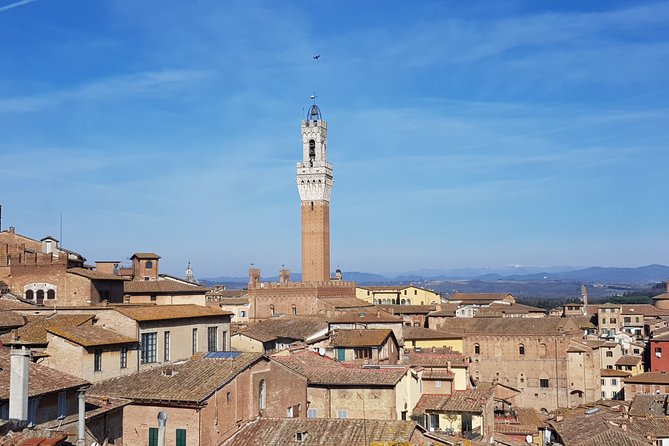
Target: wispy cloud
column 15, row 5
column 108, row 88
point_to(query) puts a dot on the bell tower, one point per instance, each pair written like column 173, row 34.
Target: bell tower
column 314, row 182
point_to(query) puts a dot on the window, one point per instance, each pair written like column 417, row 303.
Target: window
column 521, row 349
column 342, row 414
column 627, row 319
column 212, row 339
column 603, row 394
column 166, row 347
column 262, row 394
column 602, row 381
column 194, row 340
column 62, row 404
column 363, row 352
column 124, row 357
column 153, row 436
column 477, row 349
column 30, row 295
column 293, row 310
column 242, row 313
column 415, row 292
column 271, row 310
column 300, row 436
column 658, row 352
column 228, row 397
column 312, row 413
column 50, row 294
column 437, row 383
column 153, row 298
column 544, row 383
column 614, row 382
column 609, row 354
column 612, row 320
column 149, row 264
column 542, row 350
column 148, row 347
column 97, row 360
column 181, row 437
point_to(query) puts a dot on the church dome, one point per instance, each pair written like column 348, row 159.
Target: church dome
column 314, row 113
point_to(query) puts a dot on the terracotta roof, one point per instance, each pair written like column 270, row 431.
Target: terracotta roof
column 549, row 326
column 471, row 400
column 361, row 338
column 408, row 309
column 364, row 316
column 41, row 381
column 465, row 297
column 642, row 310
column 293, row 327
column 232, row 301
column 161, row 286
column 612, row 373
column 395, row 288
column 583, row 321
column 162, row 312
column 335, row 432
column 34, row 331
column 654, row 427
column 145, row 255
column 321, row 370
column 447, row 309
column 513, row 308
column 612, row 437
column 438, row 374
column 9, row 303
column 94, row 275
column 226, row 294
column 90, row 335
column 346, row 302
column 629, row 360
column 416, row 333
column 435, row 357
column 648, row 378
column 191, row 381
column 11, row 319
column 644, row 405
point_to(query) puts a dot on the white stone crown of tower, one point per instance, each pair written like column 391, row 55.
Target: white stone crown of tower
column 314, row 173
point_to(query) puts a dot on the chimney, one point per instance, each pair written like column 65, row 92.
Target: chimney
column 18, row 381
column 12, row 229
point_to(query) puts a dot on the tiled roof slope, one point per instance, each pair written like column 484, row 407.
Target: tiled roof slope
column 549, row 326
column 145, row 255
column 162, row 312
column 319, row 432
column 649, row 378
column 438, row 357
column 41, row 381
column 365, row 316
column 161, row 286
column 629, row 360
column 416, row 333
column 465, row 297
column 11, row 319
column 649, row 406
column 408, row 309
column 90, row 335
column 34, row 331
column 325, row 371
column 94, row 275
column 190, row 381
column 370, row 337
column 471, row 400
column 293, row 327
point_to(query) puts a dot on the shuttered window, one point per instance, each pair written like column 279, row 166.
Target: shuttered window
column 153, row 436
column 181, row 437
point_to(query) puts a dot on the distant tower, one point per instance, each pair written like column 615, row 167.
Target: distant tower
column 314, row 182
column 189, row 275
column 584, row 298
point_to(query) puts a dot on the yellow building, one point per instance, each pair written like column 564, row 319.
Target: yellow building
column 426, row 338
column 630, row 364
column 398, row 295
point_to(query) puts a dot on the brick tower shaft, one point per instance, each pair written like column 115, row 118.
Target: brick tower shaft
column 315, row 241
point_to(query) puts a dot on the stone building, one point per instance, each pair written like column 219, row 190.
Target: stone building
column 338, row 391
column 205, row 398
column 544, row 358
column 366, row 346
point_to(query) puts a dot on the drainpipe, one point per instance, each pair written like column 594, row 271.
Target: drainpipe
column 162, row 427
column 81, row 424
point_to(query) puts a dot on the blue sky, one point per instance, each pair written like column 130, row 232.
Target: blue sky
column 497, row 133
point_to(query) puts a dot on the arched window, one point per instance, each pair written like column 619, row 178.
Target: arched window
column 402, row 302
column 312, row 150
column 477, row 349
column 293, row 309
column 30, row 295
column 262, row 395
column 271, row 310
column 51, row 294
column 40, row 295
column 521, row 349
column 149, row 264
column 542, row 350
column 408, row 301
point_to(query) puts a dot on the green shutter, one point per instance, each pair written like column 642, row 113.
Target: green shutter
column 181, row 437
column 153, row 436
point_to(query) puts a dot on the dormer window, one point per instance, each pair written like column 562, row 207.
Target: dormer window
column 300, row 436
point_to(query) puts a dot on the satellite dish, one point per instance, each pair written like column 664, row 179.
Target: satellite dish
column 321, row 351
column 528, row 439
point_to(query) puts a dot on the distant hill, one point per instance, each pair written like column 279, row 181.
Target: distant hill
column 595, row 275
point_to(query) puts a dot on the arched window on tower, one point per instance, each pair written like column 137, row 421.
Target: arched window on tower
column 312, row 152
column 29, row 295
column 262, row 395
